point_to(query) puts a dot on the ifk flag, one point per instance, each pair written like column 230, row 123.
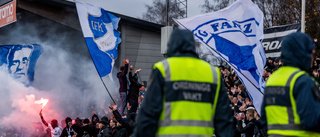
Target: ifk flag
column 99, row 28
column 20, row 61
column 234, row 35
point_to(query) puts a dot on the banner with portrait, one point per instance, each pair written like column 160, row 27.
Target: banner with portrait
column 20, row 61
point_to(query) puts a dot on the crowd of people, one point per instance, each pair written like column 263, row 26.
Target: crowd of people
column 122, row 122
column 246, row 119
column 117, row 124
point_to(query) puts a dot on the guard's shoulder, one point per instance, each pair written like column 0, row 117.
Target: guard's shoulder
column 159, row 64
column 305, row 78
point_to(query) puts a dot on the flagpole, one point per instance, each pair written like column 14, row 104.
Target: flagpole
column 100, row 76
column 303, row 11
column 107, row 89
column 221, row 57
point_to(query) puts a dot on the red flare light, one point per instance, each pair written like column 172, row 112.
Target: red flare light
column 42, row 101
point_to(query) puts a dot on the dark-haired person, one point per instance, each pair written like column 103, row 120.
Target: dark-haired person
column 117, row 129
column 123, row 85
column 88, row 130
column 94, row 121
column 248, row 130
column 292, row 100
column 54, row 127
column 77, row 127
column 128, row 130
column 134, row 90
column 68, row 130
column 104, row 129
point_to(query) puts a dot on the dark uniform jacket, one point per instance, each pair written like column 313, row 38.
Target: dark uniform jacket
column 180, row 45
column 296, row 53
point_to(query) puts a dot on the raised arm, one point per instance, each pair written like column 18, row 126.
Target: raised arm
column 42, row 119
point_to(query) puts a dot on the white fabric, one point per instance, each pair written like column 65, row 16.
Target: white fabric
column 233, row 34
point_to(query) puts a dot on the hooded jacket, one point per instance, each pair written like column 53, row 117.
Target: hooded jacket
column 296, row 52
column 181, row 44
column 134, row 87
column 123, row 79
column 67, row 130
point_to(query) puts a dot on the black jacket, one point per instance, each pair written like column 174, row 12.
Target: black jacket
column 105, row 132
column 66, row 130
column 123, row 79
column 88, row 129
column 248, row 129
column 124, row 123
column 296, row 52
column 134, row 87
column 119, row 132
column 181, row 44
column 78, row 129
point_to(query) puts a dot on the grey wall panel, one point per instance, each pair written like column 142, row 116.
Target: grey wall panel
column 142, row 47
column 151, row 40
column 133, row 45
column 149, row 53
column 148, row 59
column 133, row 38
column 132, row 52
column 150, row 46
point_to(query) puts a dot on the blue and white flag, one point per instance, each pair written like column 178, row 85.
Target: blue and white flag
column 100, row 32
column 20, row 61
column 234, row 35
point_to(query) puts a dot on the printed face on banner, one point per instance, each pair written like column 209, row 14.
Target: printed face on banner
column 102, row 37
column 18, row 60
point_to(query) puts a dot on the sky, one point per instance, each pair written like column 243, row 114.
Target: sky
column 136, row 8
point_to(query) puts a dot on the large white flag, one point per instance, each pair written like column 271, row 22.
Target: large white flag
column 234, row 34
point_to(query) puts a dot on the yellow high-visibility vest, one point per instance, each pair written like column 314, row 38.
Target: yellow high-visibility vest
column 190, row 97
column 280, row 104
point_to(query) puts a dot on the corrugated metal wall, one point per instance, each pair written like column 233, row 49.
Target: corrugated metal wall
column 142, row 47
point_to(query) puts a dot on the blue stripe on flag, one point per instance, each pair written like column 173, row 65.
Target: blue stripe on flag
column 101, row 60
column 240, row 55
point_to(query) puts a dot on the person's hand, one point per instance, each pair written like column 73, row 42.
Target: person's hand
column 242, row 108
column 131, row 67
column 113, row 107
column 315, row 72
column 124, row 61
column 244, row 104
column 128, row 106
column 138, row 70
column 236, row 116
column 127, row 60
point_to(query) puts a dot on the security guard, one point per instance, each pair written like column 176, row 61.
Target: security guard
column 186, row 97
column 291, row 105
